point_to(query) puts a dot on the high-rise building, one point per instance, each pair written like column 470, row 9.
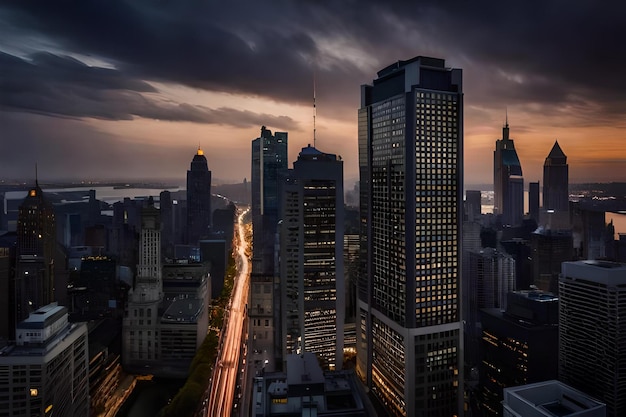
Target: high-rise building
column 311, row 258
column 269, row 158
column 519, row 346
column 549, row 249
column 533, row 201
column 556, row 180
column 409, row 334
column 472, row 207
column 592, row 331
column 490, row 276
column 198, row 199
column 35, row 251
column 139, row 339
column 46, row 372
column 508, row 183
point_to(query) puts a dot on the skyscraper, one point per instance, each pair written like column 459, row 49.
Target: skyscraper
column 592, row 352
column 311, row 258
column 409, row 347
column 198, row 199
column 556, row 180
column 139, row 338
column 36, row 246
column 533, row 201
column 269, row 158
column 508, row 183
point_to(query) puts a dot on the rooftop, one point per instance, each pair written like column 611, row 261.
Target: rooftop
column 550, row 399
column 183, row 311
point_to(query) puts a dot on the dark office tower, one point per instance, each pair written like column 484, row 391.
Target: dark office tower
column 7, row 324
column 519, row 346
column 198, row 199
column 269, row 157
column 549, row 249
column 555, row 181
column 167, row 224
column 409, row 348
column 533, row 201
column 490, row 277
column 311, row 258
column 35, row 251
column 472, row 207
column 508, row 183
column 592, row 331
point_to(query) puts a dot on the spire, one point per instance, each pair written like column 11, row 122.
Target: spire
column 314, row 109
column 200, row 151
column 36, row 176
column 505, row 128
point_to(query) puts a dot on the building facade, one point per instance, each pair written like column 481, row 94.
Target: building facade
column 556, row 181
column 409, row 336
column 519, row 346
column 269, row 159
column 311, row 258
column 46, row 372
column 35, row 251
column 198, row 199
column 592, row 332
column 140, row 338
column 508, row 182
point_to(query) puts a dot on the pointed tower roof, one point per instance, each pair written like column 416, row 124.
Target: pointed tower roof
column 556, row 155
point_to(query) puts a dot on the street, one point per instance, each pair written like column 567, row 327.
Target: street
column 225, row 374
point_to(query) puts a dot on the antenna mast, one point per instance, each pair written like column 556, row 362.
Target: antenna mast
column 314, row 110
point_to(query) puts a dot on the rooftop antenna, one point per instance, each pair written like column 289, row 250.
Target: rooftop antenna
column 506, row 117
column 314, row 110
column 36, row 176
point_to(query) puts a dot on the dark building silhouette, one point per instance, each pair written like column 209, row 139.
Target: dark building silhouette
column 550, row 248
column 224, row 222
column 473, row 205
column 35, row 252
column 556, row 180
column 198, row 199
column 167, row 224
column 533, row 201
column 410, row 130
column 508, row 183
column 96, row 290
column 214, row 252
column 7, row 300
column 519, row 346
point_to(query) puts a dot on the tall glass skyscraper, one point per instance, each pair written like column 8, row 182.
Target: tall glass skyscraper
column 269, row 158
column 508, row 182
column 409, row 347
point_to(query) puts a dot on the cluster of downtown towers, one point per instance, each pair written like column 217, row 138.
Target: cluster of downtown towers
column 407, row 312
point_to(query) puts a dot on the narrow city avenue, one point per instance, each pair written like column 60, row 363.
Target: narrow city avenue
column 225, row 374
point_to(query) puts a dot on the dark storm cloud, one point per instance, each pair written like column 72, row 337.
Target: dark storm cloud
column 549, row 53
column 64, row 86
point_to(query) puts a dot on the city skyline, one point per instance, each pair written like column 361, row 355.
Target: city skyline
column 130, row 89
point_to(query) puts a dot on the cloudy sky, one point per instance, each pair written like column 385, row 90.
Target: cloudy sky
column 129, row 89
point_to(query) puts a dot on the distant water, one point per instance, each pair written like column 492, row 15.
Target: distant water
column 108, row 194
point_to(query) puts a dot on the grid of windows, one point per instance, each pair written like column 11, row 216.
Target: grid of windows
column 436, row 201
column 388, row 207
column 388, row 361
